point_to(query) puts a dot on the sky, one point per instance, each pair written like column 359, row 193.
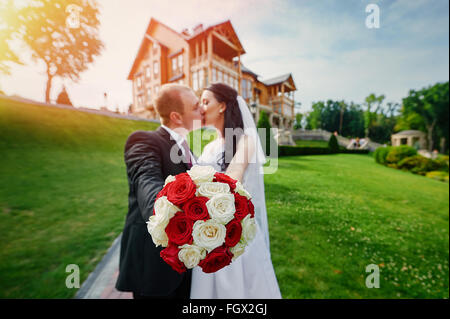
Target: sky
column 324, row 44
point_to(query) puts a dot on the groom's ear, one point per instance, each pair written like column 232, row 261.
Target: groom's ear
column 176, row 118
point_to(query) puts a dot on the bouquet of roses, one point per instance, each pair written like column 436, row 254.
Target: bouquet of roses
column 204, row 218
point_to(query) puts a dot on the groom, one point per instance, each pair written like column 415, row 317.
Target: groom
column 150, row 157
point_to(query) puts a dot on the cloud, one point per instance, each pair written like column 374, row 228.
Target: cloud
column 324, row 44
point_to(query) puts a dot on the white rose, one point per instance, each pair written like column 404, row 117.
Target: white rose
column 209, row 189
column 221, row 208
column 169, row 179
column 191, row 255
column 208, row 234
column 248, row 229
column 241, row 190
column 237, row 250
column 157, row 223
column 201, row 174
column 165, row 210
column 158, row 231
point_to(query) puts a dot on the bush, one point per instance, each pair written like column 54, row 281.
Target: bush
column 346, row 151
column 333, row 144
column 438, row 175
column 381, row 153
column 397, row 153
column 418, row 164
column 442, row 161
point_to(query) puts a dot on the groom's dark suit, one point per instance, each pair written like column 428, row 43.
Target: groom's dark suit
column 141, row 269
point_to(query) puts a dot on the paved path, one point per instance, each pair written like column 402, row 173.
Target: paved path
column 100, row 284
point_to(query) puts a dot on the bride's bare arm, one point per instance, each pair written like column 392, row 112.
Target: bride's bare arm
column 244, row 153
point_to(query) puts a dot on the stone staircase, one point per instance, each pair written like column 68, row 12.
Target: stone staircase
column 322, row 135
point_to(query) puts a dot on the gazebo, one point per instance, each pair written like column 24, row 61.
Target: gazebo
column 414, row 138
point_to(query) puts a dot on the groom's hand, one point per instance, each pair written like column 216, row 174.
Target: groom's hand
column 143, row 161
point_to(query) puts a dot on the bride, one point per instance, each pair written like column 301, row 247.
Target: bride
column 237, row 152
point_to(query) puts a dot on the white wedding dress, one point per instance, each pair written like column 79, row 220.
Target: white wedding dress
column 251, row 275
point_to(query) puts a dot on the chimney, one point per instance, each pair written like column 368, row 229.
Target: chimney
column 198, row 29
column 185, row 32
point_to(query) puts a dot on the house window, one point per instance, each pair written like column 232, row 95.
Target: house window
column 195, row 81
column 149, row 96
column 214, row 75
column 155, row 68
column 156, row 89
column 244, row 88
column 147, row 71
column 201, row 78
column 139, row 82
column 174, row 64
column 220, row 76
column 180, row 61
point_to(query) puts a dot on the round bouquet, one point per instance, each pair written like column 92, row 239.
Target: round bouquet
column 203, row 218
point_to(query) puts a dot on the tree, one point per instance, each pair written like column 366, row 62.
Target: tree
column 298, row 121
column 50, row 30
column 370, row 116
column 63, row 97
column 8, row 24
column 428, row 109
column 333, row 144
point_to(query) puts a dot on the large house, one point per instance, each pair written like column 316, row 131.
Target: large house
column 200, row 57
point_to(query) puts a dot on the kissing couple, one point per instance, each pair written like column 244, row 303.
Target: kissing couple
column 151, row 156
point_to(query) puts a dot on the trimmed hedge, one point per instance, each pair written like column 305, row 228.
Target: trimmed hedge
column 333, row 144
column 287, row 150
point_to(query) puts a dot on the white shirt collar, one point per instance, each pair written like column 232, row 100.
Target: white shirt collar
column 177, row 137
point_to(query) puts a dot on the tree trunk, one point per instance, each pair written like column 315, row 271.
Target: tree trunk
column 430, row 136
column 49, row 87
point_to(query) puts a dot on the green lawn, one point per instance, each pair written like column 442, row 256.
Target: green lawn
column 311, row 143
column 332, row 215
column 63, row 200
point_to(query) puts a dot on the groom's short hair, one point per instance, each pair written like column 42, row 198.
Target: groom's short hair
column 169, row 99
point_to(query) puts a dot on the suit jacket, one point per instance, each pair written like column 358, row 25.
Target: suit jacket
column 148, row 163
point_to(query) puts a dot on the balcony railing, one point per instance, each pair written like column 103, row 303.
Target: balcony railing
column 287, row 103
column 222, row 61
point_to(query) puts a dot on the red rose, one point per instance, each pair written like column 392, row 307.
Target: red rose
column 179, row 229
column 234, row 233
column 181, row 190
column 196, row 208
column 241, row 205
column 216, row 259
column 251, row 208
column 162, row 192
column 170, row 256
column 223, row 178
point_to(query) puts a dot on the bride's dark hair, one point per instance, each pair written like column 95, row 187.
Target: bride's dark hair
column 232, row 119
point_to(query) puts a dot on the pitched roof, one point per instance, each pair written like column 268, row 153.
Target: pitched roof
column 144, row 43
column 409, row 132
column 244, row 69
column 277, row 80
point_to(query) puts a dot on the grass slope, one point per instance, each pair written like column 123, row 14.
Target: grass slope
column 63, row 195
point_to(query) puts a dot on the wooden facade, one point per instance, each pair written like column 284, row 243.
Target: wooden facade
column 201, row 57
